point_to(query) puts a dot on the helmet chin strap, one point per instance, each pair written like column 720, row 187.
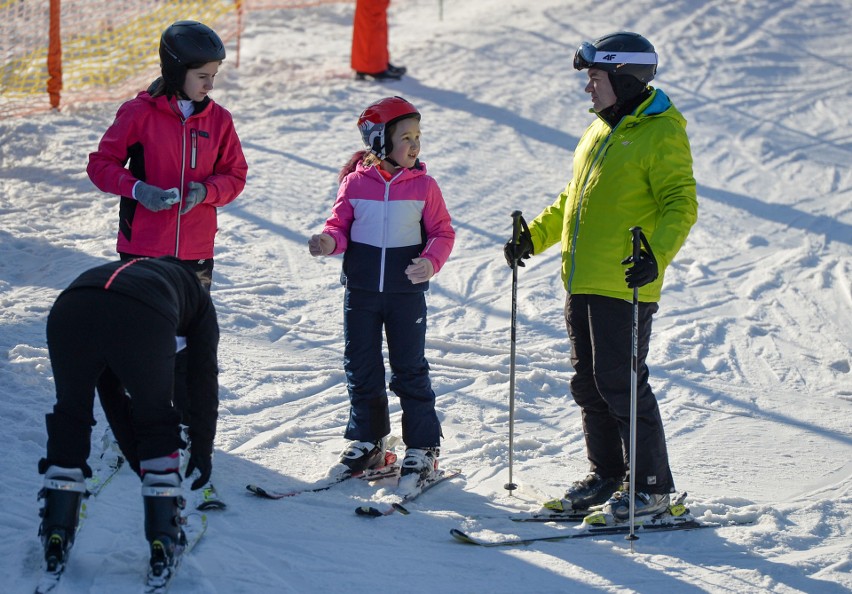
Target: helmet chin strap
column 629, row 92
column 626, row 87
column 398, row 166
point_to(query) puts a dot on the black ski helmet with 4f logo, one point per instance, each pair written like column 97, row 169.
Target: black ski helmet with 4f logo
column 619, row 54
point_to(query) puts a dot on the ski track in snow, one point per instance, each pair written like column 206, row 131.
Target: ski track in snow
column 751, row 357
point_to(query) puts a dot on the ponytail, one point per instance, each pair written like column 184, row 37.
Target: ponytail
column 350, row 165
column 367, row 157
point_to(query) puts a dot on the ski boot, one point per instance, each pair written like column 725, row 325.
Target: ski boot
column 163, row 497
column 645, row 504
column 63, row 493
column 359, row 456
column 592, row 491
column 420, row 461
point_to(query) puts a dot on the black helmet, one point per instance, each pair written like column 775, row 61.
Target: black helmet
column 184, row 45
column 619, row 54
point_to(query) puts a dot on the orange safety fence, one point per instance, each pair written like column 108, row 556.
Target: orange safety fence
column 61, row 52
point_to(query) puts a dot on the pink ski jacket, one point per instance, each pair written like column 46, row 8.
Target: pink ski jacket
column 151, row 141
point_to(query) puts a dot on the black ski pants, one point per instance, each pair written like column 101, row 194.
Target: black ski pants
column 600, row 330
column 91, row 332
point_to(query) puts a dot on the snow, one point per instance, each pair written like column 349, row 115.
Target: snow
column 750, row 357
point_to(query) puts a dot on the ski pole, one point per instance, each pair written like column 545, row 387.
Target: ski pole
column 634, row 371
column 516, row 232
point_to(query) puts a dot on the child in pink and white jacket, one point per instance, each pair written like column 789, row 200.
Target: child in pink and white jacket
column 392, row 226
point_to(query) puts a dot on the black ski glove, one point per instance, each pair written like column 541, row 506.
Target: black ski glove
column 203, row 463
column 642, row 272
column 517, row 252
column 134, row 465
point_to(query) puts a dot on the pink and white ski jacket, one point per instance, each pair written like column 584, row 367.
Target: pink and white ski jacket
column 381, row 225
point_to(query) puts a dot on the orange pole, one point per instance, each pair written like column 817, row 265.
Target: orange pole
column 239, row 28
column 54, row 55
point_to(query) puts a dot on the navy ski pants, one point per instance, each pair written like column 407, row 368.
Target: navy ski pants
column 600, row 330
column 403, row 318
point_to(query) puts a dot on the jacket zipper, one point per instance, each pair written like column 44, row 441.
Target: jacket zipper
column 385, row 224
column 582, row 197
column 180, row 188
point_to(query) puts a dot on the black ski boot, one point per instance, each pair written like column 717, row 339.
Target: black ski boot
column 63, row 493
column 581, row 495
column 163, row 497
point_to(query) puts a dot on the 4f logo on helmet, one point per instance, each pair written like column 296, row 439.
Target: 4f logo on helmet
column 622, row 53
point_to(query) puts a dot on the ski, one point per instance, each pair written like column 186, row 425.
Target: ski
column 586, row 531
column 389, row 470
column 591, row 515
column 551, row 515
column 398, row 506
column 103, row 476
column 596, row 522
column 194, row 527
column 50, row 579
column 572, row 516
column 208, row 499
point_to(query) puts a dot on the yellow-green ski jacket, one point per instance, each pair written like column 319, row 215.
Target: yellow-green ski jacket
column 638, row 173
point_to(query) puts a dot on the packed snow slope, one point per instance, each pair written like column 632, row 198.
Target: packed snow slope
column 750, row 357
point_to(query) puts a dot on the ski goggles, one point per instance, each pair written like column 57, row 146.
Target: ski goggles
column 587, row 55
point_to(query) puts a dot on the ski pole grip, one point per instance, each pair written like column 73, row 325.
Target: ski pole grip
column 516, row 226
column 637, row 242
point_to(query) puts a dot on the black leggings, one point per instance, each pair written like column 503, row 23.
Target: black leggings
column 204, row 270
column 93, row 333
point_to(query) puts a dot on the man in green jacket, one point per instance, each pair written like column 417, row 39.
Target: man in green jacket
column 632, row 167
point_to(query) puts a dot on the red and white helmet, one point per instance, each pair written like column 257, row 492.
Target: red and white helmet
column 376, row 119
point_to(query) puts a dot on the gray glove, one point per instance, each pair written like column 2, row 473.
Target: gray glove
column 154, row 198
column 196, row 195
